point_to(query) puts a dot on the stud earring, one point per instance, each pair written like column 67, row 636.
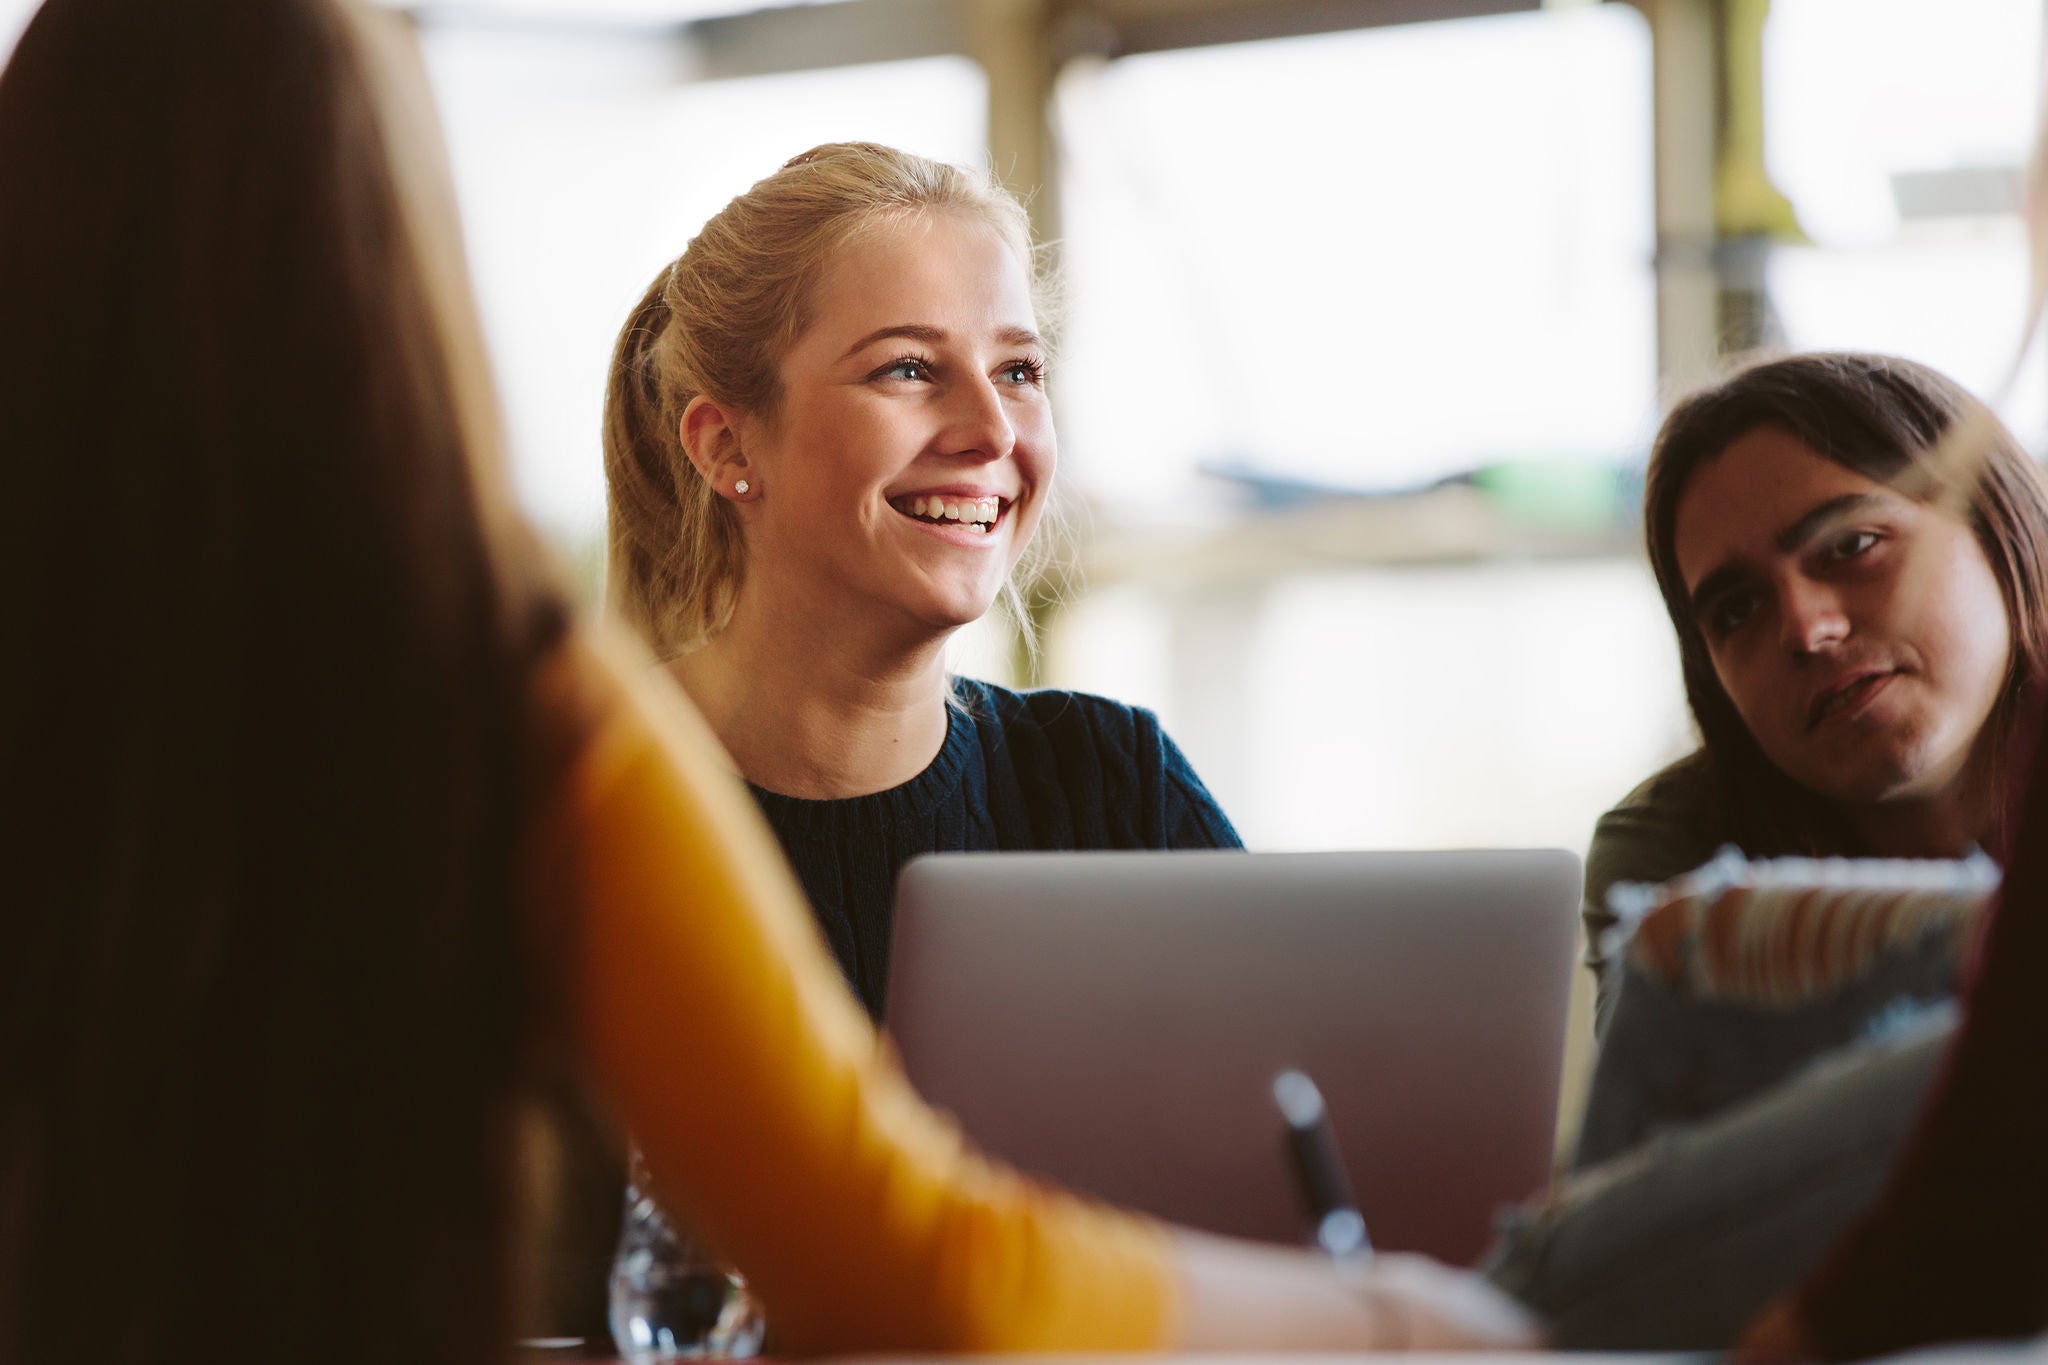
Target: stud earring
column 740, row 486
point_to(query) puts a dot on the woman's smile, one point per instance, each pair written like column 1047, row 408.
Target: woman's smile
column 959, row 517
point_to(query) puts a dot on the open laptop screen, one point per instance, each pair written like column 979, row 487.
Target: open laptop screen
column 1115, row 1021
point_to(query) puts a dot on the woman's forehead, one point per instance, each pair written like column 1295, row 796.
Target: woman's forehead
column 1741, row 501
column 930, row 269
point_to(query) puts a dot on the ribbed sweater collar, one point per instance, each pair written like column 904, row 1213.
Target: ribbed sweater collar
column 908, row 802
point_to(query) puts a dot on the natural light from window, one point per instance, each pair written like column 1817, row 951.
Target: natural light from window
column 1369, row 259
column 1900, row 130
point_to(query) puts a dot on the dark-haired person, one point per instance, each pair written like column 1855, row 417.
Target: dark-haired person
column 1854, row 657
column 329, row 824
column 1860, row 662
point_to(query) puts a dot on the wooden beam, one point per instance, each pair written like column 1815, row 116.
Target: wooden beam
column 1685, row 53
column 1013, row 45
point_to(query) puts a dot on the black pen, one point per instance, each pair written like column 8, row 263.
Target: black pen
column 1319, row 1168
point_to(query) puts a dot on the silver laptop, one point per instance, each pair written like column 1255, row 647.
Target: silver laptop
column 1115, row 1021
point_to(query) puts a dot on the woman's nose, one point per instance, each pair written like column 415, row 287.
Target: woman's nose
column 979, row 424
column 1814, row 617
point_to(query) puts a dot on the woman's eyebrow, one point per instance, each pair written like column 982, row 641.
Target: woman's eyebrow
column 915, row 331
column 937, row 336
column 1795, row 537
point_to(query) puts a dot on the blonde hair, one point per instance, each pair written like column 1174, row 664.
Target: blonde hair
column 717, row 321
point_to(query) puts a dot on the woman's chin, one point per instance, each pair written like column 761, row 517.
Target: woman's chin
column 950, row 612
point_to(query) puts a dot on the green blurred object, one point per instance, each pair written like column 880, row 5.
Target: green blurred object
column 1563, row 492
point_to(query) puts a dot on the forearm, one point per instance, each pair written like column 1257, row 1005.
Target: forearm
column 773, row 1119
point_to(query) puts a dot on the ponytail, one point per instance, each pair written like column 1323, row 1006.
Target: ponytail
column 674, row 557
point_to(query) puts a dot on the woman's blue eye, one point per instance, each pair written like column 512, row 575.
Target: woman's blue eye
column 1023, row 372
column 907, row 368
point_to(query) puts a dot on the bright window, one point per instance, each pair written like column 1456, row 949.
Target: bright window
column 1899, row 131
column 1370, row 259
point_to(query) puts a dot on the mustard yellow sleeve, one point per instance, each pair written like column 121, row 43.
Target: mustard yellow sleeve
column 775, row 1121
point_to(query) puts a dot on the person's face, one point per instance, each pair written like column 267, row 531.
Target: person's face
column 1860, row 634
column 907, row 461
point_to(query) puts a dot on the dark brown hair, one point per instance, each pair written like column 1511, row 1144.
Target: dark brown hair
column 265, row 725
column 1881, row 417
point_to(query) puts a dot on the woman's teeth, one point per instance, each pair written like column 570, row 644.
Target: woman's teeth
column 977, row 513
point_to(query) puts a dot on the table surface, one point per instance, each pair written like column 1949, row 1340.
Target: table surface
column 578, row 1356
column 1997, row 1353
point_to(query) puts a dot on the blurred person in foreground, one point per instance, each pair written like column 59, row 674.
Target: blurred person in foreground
column 1953, row 1249
column 1856, row 657
column 333, row 824
column 828, row 447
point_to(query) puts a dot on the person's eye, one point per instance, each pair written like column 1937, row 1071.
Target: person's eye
column 1730, row 612
column 1850, row 545
column 909, row 367
column 1027, row 372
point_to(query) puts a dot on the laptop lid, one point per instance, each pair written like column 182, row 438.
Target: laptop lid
column 1115, row 1021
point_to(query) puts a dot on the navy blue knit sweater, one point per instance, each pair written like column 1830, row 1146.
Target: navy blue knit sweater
column 1019, row 771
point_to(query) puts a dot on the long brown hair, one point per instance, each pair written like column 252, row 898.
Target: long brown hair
column 265, row 721
column 1881, row 417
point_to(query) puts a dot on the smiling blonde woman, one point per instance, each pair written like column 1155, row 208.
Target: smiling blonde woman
column 828, row 447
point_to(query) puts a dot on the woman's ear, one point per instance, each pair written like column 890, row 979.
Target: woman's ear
column 711, row 438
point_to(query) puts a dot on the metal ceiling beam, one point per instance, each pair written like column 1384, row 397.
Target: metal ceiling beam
column 1169, row 25
column 774, row 40
column 811, row 37
column 471, row 14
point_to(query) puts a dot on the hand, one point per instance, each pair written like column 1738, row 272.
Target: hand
column 1240, row 1296
column 1422, row 1305
column 1776, row 1336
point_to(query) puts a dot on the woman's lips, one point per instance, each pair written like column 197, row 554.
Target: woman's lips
column 1848, row 698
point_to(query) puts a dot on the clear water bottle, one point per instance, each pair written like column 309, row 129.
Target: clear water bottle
column 670, row 1300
